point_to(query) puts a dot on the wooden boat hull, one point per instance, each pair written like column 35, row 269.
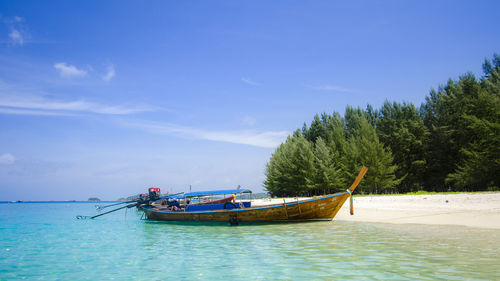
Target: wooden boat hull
column 321, row 208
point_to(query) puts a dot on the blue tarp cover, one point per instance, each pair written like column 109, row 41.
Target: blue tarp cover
column 217, row 192
column 174, row 197
column 210, row 207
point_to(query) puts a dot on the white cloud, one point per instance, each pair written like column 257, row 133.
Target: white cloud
column 30, row 101
column 249, row 81
column 18, row 31
column 7, row 159
column 16, row 37
column 259, row 139
column 110, row 74
column 16, row 111
column 333, row 88
column 68, row 71
column 54, row 107
column 248, row 120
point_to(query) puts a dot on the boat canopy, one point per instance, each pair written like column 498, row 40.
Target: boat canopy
column 217, row 192
column 174, row 196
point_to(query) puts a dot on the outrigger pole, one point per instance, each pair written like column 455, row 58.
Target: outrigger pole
column 103, row 207
column 93, row 217
column 136, row 203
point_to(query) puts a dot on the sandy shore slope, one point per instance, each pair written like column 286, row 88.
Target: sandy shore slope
column 466, row 209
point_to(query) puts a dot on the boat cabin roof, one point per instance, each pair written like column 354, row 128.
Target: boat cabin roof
column 217, row 192
column 174, row 196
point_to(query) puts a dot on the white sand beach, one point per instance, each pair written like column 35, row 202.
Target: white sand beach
column 466, row 209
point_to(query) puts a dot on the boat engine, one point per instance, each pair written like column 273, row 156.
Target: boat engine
column 154, row 193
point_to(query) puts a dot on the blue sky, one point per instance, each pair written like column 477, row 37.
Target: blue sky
column 107, row 98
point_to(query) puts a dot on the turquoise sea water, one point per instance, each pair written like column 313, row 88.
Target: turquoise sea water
column 44, row 241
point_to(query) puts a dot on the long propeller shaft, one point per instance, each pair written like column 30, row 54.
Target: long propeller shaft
column 128, row 206
column 107, row 206
column 135, row 203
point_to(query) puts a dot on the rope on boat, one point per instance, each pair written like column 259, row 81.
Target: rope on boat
column 351, row 209
column 284, row 205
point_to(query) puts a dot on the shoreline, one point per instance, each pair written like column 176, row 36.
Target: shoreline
column 481, row 210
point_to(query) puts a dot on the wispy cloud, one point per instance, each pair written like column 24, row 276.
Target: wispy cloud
column 250, row 81
column 16, row 111
column 7, row 159
column 18, row 32
column 248, row 120
column 253, row 138
column 26, row 105
column 16, row 37
column 69, row 71
column 333, row 88
column 18, row 100
column 110, row 73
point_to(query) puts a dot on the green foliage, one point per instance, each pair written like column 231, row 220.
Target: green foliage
column 479, row 164
column 451, row 142
column 327, row 169
column 291, row 168
column 464, row 119
column 401, row 127
column 366, row 149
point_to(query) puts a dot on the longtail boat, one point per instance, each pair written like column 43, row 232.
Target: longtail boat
column 316, row 208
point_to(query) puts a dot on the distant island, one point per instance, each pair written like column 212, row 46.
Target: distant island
column 94, row 199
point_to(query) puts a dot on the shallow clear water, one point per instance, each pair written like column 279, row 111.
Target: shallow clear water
column 44, row 241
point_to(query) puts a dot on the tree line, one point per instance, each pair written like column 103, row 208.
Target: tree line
column 450, row 142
